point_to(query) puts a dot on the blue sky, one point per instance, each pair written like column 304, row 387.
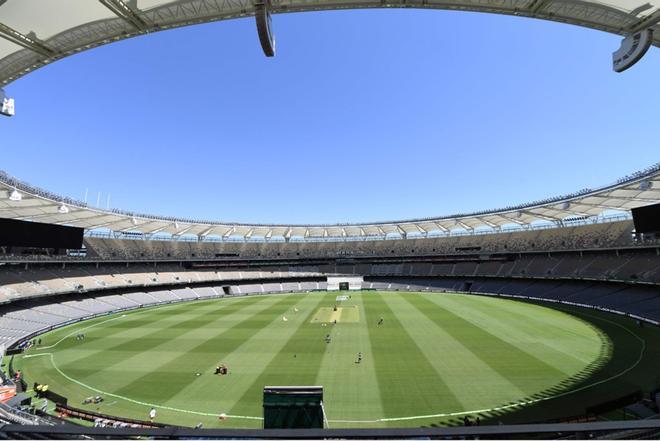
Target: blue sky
column 362, row 116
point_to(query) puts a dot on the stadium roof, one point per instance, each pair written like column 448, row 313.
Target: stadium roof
column 19, row 200
column 38, row 32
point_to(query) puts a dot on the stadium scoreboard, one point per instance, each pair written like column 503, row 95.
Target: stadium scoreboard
column 647, row 219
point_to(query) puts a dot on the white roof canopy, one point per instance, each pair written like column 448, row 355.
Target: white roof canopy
column 19, row 200
column 38, row 32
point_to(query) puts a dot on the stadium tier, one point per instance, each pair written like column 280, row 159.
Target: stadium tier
column 624, row 280
column 595, row 236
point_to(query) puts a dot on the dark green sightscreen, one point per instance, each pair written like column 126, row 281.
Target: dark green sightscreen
column 293, row 407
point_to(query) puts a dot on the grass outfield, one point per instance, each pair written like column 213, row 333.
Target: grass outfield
column 435, row 354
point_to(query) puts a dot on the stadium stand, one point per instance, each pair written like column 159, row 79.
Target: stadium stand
column 39, row 296
column 595, row 236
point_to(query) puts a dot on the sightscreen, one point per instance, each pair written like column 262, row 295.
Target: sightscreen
column 647, row 219
column 15, row 233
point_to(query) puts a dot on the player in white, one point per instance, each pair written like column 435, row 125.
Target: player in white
column 152, row 414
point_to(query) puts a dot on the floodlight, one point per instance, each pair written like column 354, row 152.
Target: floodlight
column 15, row 196
column 6, row 104
column 63, row 209
column 632, row 49
column 264, row 26
column 645, row 185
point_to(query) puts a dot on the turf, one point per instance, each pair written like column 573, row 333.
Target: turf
column 340, row 315
column 434, row 354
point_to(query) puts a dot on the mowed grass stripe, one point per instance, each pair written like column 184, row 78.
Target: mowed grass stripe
column 177, row 373
column 396, row 356
column 100, row 340
column 502, row 326
column 122, row 325
column 529, row 373
column 572, row 337
column 308, row 346
column 125, row 325
column 246, row 361
column 151, row 358
column 351, row 391
column 260, row 344
column 470, row 378
column 180, row 316
column 136, row 318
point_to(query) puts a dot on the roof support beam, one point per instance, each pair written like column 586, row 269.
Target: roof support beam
column 488, row 223
column 516, row 221
column 105, row 225
column 139, row 227
column 123, row 11
column 645, row 23
column 206, row 232
column 184, row 231
column 631, row 199
column 87, row 218
column 536, row 5
column 543, row 216
column 571, row 212
column 27, row 41
column 157, row 230
column 40, row 216
column 228, row 233
column 463, row 225
column 603, row 207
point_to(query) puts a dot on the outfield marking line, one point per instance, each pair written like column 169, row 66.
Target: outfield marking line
column 523, row 402
column 37, row 355
column 416, row 417
column 520, row 403
column 84, row 329
column 142, row 403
